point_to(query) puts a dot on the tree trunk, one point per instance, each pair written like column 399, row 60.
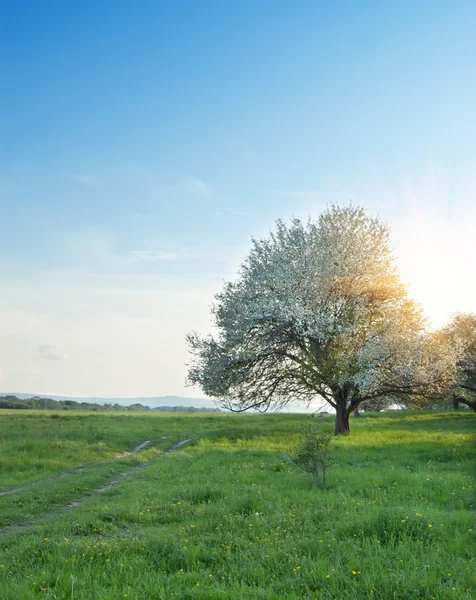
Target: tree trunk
column 342, row 420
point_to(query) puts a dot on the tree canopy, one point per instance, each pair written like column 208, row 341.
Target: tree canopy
column 317, row 309
column 460, row 333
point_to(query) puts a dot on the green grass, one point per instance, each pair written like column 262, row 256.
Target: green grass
column 227, row 517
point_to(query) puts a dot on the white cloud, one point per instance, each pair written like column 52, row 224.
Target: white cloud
column 125, row 335
column 101, row 248
column 231, row 212
column 83, row 178
column 91, row 243
column 304, row 193
column 196, row 184
column 47, row 352
column 157, row 255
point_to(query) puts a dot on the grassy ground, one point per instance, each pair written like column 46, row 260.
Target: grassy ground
column 227, row 517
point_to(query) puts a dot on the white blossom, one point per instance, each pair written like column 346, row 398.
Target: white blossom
column 318, row 309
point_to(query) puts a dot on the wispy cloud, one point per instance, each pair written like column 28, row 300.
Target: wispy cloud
column 83, row 178
column 102, row 248
column 299, row 193
column 90, row 243
column 311, row 194
column 200, row 186
column 157, row 255
column 47, row 352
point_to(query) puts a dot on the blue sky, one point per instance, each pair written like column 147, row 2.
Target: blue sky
column 143, row 144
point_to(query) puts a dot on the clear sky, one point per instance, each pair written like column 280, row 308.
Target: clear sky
column 144, row 143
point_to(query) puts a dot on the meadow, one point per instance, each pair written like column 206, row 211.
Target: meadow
column 226, row 516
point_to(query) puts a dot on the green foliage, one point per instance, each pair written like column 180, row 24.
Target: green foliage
column 313, row 454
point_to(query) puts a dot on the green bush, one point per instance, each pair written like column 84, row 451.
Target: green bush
column 312, row 454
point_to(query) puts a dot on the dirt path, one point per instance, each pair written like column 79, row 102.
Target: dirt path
column 114, row 483
column 10, row 530
column 79, row 469
column 135, row 451
column 177, row 446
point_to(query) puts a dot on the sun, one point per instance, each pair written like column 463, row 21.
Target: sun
column 435, row 259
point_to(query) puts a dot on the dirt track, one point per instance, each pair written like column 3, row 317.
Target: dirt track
column 112, row 484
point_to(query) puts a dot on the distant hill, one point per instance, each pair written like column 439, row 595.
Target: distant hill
column 140, row 403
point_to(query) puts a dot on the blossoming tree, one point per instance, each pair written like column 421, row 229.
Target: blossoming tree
column 460, row 333
column 318, row 309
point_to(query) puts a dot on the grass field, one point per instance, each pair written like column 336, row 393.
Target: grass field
column 226, row 517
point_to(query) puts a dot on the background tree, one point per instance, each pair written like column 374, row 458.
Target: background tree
column 318, row 309
column 435, row 364
column 377, row 404
column 460, row 334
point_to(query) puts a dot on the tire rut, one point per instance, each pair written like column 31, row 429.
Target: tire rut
column 12, row 529
column 77, row 470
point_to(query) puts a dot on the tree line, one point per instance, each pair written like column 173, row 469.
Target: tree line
column 39, row 403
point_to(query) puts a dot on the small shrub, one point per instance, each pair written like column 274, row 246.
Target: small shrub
column 312, row 454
